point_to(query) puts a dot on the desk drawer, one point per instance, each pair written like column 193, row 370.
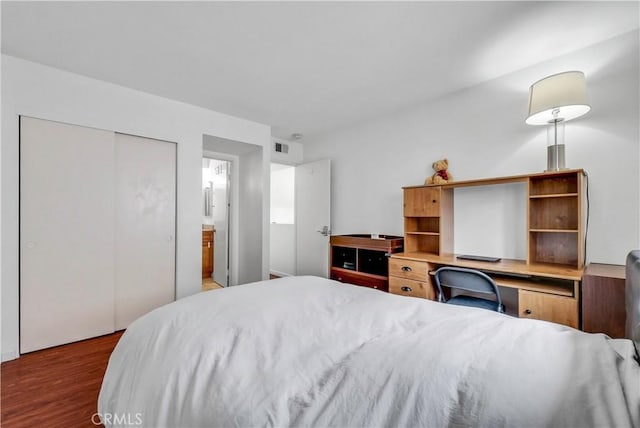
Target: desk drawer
column 408, row 287
column 409, row 269
column 548, row 307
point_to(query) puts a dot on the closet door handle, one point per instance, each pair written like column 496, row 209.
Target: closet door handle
column 406, row 269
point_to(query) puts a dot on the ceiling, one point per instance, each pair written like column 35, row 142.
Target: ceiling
column 304, row 67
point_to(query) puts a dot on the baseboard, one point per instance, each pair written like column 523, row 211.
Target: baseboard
column 277, row 273
column 8, row 356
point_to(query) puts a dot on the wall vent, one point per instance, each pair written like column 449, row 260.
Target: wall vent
column 282, row 148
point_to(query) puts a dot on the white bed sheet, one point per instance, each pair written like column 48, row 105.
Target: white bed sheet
column 306, row 351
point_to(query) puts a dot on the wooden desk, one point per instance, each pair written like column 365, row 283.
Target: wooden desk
column 542, row 291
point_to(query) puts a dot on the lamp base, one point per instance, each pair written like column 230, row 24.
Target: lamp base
column 555, row 157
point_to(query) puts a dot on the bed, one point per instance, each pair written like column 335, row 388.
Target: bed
column 307, row 351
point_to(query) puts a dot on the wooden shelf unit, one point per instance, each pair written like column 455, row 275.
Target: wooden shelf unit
column 361, row 260
column 555, row 223
column 428, row 219
column 555, row 211
column 546, row 283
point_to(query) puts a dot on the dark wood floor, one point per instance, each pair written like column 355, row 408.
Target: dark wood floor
column 56, row 387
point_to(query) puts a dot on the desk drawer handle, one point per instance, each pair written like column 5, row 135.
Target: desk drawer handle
column 406, row 289
column 527, row 311
column 406, row 269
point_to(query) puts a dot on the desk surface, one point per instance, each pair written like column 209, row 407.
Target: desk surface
column 605, row 270
column 505, row 266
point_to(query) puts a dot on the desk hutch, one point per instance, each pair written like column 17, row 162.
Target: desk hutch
column 546, row 285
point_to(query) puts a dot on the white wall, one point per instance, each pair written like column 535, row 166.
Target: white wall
column 250, row 190
column 481, row 131
column 283, row 249
column 43, row 92
column 292, row 157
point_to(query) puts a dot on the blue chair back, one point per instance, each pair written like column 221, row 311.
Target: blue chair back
column 468, row 280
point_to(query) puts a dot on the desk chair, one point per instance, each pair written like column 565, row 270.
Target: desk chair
column 468, row 280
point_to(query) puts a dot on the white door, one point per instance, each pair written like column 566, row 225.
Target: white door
column 313, row 217
column 221, row 189
column 66, row 233
column 145, row 226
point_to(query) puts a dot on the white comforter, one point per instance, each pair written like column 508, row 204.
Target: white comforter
column 307, row 351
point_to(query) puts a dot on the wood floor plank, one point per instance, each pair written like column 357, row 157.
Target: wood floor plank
column 56, row 387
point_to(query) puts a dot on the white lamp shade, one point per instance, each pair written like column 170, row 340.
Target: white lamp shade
column 565, row 92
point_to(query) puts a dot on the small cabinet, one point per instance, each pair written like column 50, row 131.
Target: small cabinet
column 362, row 260
column 344, row 257
column 603, row 300
column 422, row 202
column 207, row 253
column 548, row 307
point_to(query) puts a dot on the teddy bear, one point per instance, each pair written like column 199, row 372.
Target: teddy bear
column 441, row 174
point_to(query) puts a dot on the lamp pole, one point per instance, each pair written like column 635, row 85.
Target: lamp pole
column 555, row 151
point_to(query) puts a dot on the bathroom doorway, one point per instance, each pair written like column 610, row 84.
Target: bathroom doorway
column 216, row 182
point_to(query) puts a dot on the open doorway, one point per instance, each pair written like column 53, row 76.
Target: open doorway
column 300, row 219
column 247, row 254
column 282, row 225
column 216, row 181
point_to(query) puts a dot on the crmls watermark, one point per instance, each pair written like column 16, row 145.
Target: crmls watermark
column 127, row 419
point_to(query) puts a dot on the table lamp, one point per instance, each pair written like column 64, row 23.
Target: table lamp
column 553, row 101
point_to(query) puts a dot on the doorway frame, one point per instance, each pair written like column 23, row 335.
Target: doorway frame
column 233, row 215
column 250, row 220
column 284, row 163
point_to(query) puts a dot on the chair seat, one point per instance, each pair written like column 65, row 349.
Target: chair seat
column 475, row 302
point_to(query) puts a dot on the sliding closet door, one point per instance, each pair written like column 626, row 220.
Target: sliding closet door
column 66, row 233
column 145, row 226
